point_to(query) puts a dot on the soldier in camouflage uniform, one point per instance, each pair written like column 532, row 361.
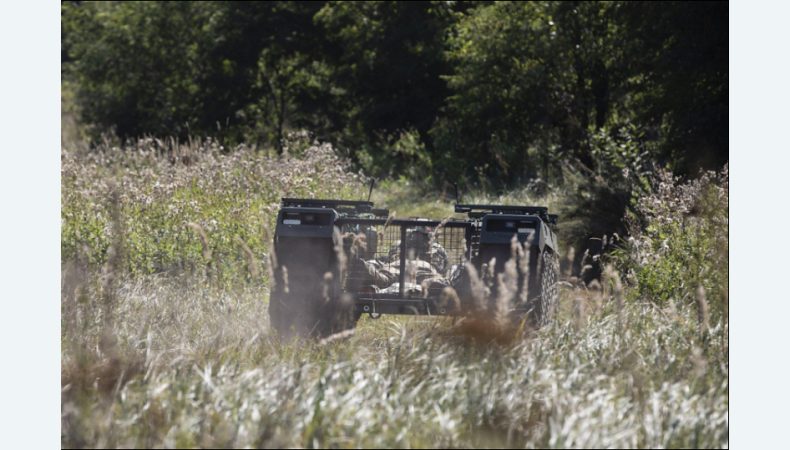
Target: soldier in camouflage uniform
column 421, row 245
column 426, row 263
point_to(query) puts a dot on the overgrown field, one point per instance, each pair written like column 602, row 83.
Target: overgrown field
column 192, row 206
column 166, row 341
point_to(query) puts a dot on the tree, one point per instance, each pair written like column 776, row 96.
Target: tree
column 501, row 91
column 266, row 72
column 530, row 82
column 387, row 60
column 236, row 70
column 136, row 64
column 679, row 64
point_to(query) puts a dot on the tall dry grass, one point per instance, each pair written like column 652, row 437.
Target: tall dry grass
column 192, row 365
column 169, row 357
column 186, row 206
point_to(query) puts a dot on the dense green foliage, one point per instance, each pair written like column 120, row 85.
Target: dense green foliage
column 444, row 91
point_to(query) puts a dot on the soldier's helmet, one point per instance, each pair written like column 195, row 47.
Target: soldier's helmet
column 418, row 240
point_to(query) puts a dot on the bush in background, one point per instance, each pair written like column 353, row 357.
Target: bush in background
column 678, row 248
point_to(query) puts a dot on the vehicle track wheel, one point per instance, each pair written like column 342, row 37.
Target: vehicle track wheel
column 546, row 308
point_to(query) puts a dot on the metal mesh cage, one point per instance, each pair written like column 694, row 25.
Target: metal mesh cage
column 404, row 259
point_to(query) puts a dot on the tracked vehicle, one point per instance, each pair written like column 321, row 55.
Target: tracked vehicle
column 335, row 260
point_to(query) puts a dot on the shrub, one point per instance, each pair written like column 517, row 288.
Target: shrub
column 681, row 243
